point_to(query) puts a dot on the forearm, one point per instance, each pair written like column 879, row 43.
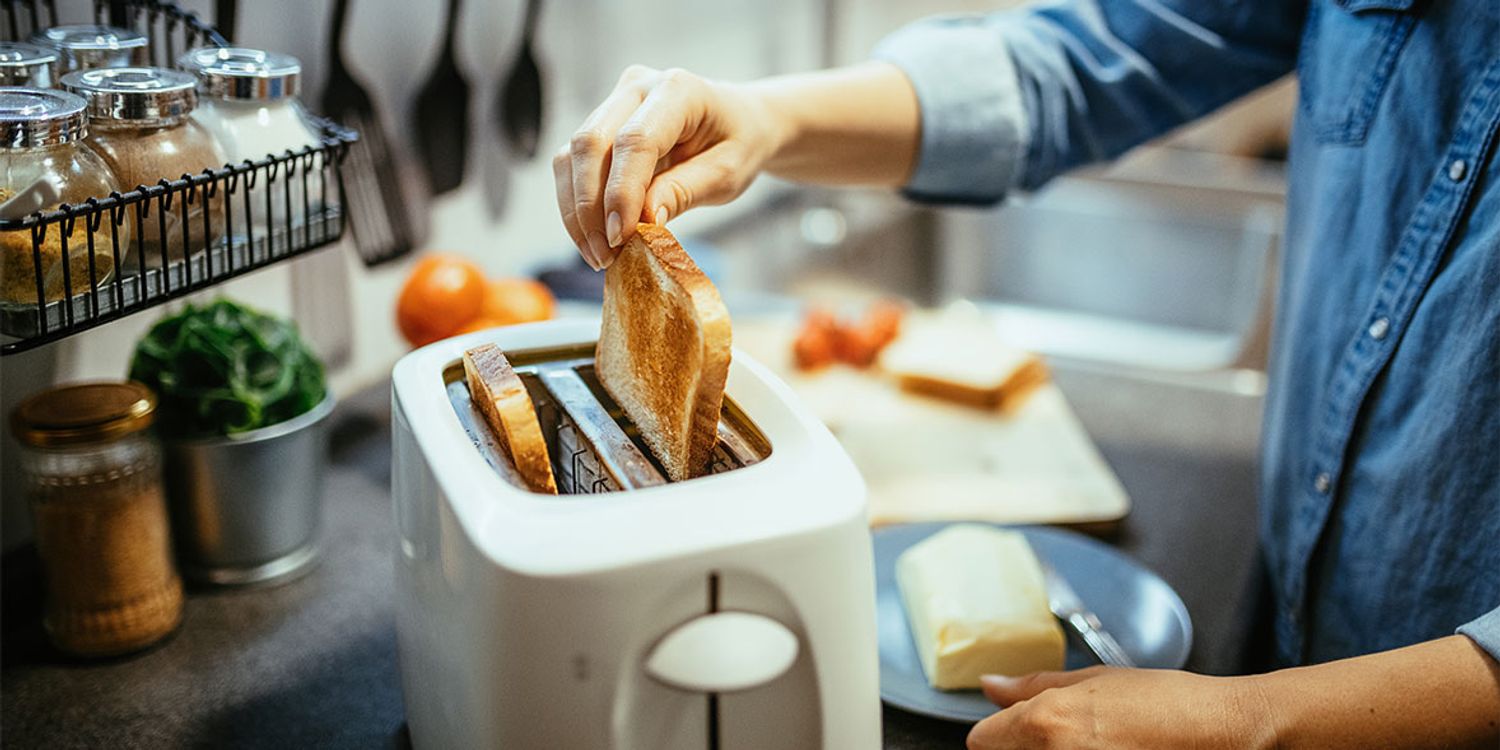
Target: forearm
column 1440, row 694
column 854, row 125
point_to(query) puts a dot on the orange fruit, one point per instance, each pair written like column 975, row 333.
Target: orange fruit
column 442, row 294
column 510, row 301
column 479, row 324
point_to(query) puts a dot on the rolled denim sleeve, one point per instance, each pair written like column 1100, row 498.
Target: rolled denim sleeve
column 1485, row 632
column 1012, row 99
column 974, row 132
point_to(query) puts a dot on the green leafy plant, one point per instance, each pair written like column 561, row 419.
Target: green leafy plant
column 223, row 368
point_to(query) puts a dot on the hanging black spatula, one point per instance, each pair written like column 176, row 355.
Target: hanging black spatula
column 442, row 115
column 372, row 184
column 520, row 111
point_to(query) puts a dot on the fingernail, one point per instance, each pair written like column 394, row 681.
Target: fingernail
column 661, row 214
column 600, row 246
column 999, row 681
column 612, row 226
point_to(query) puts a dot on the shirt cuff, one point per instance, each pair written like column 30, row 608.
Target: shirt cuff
column 974, row 132
column 1485, row 632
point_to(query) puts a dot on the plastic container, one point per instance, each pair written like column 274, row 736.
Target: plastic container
column 43, row 163
column 23, row 64
column 85, row 46
column 249, row 102
column 140, row 123
column 93, row 477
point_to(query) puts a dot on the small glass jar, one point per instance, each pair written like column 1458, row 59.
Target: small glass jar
column 93, row 477
column 43, row 164
column 140, row 123
column 250, row 104
column 23, row 64
column 85, row 46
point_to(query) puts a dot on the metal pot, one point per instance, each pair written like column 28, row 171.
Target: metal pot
column 246, row 508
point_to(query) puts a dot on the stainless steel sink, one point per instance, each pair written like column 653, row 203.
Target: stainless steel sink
column 1165, row 261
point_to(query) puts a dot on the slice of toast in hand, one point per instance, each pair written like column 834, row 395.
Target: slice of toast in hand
column 663, row 351
column 506, row 406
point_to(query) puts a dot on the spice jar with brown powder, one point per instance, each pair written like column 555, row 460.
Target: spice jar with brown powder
column 93, row 476
column 43, row 164
column 139, row 123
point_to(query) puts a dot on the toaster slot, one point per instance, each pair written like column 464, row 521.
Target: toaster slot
column 594, row 447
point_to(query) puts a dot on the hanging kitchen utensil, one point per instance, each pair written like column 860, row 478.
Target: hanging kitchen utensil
column 442, row 115
column 225, row 13
column 377, row 211
column 520, row 110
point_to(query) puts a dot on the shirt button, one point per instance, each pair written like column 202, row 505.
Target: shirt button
column 1322, row 482
column 1380, row 328
column 1457, row 170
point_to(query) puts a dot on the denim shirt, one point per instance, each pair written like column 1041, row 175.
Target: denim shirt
column 1380, row 486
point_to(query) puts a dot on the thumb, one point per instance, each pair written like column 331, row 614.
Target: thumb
column 1004, row 691
column 708, row 179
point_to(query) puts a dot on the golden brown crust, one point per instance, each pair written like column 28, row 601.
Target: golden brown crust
column 1006, row 396
column 506, row 406
column 664, row 349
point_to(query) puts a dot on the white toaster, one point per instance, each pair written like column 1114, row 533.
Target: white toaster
column 736, row 610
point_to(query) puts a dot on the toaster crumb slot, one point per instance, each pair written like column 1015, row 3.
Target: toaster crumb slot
column 594, row 447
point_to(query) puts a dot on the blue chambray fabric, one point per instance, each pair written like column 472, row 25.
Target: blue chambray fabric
column 1380, row 492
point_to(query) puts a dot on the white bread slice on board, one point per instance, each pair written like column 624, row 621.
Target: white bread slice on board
column 663, row 351
column 962, row 359
column 506, row 406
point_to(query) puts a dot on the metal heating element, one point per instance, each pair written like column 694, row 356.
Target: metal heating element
column 594, row 447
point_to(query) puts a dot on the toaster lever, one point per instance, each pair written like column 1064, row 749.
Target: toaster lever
column 723, row 652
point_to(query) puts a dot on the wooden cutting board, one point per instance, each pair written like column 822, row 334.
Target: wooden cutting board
column 926, row 459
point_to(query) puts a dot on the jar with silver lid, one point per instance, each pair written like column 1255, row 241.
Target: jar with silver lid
column 249, row 102
column 85, row 46
column 23, row 64
column 43, row 164
column 140, row 123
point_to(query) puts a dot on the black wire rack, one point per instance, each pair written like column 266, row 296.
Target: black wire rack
column 300, row 195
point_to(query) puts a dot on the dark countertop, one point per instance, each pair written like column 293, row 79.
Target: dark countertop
column 313, row 662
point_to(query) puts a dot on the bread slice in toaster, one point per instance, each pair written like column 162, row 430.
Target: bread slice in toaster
column 663, row 351
column 506, row 406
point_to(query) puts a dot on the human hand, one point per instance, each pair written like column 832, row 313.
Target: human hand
column 660, row 144
column 1106, row 707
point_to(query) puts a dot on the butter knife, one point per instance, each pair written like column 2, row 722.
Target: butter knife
column 1066, row 606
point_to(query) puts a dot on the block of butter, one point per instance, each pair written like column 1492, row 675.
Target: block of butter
column 977, row 604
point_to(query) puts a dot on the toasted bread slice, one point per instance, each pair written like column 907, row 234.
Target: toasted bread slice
column 962, row 360
column 506, row 406
column 663, row 351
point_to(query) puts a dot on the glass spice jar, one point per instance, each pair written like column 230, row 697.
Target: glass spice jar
column 85, row 46
column 248, row 100
column 139, row 122
column 23, row 64
column 44, row 164
column 93, row 476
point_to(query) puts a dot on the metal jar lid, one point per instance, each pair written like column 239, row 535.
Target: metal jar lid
column 32, row 118
column 82, row 414
column 89, row 36
column 23, row 64
column 144, row 95
column 89, row 45
column 243, row 73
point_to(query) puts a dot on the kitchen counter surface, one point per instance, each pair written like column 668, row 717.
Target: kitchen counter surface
column 313, row 663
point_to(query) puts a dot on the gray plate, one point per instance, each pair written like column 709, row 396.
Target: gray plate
column 1142, row 612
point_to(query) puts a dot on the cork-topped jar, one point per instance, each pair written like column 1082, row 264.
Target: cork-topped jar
column 93, row 476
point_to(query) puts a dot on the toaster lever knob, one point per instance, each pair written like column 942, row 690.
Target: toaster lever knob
column 723, row 652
